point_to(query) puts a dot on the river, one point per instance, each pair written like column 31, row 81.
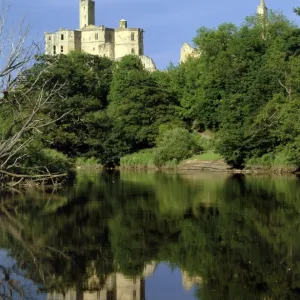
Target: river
column 154, row 236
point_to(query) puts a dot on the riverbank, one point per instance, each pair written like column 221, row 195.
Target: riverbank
column 209, row 161
column 221, row 166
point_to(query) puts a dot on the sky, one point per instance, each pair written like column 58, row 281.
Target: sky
column 167, row 23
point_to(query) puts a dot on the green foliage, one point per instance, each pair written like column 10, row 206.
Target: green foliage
column 207, row 156
column 141, row 159
column 85, row 81
column 204, row 142
column 41, row 160
column 243, row 87
column 297, row 10
column 240, row 70
column 83, row 161
column 175, row 145
column 138, row 105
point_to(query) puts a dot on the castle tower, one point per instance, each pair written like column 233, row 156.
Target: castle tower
column 262, row 10
column 86, row 13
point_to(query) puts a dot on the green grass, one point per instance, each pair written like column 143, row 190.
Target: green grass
column 144, row 160
column 141, row 159
column 273, row 160
column 83, row 161
column 207, row 156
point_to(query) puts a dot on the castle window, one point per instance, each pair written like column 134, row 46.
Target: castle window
column 132, row 51
column 49, row 38
column 62, row 49
column 96, row 36
column 62, row 37
column 54, row 50
column 109, row 37
column 134, row 295
column 132, row 36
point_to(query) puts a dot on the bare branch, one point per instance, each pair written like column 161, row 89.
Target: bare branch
column 288, row 90
column 25, row 105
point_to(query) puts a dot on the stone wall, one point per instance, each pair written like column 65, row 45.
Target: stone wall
column 63, row 41
column 98, row 40
column 92, row 39
column 86, row 13
column 148, row 63
column 187, row 51
column 128, row 41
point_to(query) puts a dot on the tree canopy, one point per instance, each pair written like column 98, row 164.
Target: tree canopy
column 242, row 88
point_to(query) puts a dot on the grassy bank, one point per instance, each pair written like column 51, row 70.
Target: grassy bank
column 87, row 163
column 144, row 160
column 209, row 160
column 207, row 156
column 270, row 163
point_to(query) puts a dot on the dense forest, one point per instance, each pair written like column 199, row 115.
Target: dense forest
column 240, row 99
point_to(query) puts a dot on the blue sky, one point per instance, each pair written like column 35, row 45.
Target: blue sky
column 167, row 23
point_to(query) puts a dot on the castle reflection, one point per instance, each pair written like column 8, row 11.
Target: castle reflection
column 118, row 286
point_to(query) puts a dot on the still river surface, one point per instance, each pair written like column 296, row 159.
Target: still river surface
column 153, row 236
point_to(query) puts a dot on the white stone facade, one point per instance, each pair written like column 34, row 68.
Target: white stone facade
column 188, row 51
column 262, row 9
column 98, row 40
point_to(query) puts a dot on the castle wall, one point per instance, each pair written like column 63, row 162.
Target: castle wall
column 92, row 38
column 128, row 41
column 128, row 288
column 62, row 42
column 98, row 41
column 148, row 63
column 262, row 10
column 187, row 51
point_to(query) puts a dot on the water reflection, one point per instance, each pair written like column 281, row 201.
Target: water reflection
column 233, row 237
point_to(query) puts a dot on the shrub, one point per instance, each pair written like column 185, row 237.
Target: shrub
column 43, row 159
column 175, row 145
column 141, row 159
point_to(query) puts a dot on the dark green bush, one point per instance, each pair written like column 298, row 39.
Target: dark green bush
column 175, row 145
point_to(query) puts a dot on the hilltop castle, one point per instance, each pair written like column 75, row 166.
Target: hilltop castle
column 98, row 40
column 188, row 51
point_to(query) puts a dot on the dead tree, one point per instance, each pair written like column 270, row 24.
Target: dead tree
column 24, row 106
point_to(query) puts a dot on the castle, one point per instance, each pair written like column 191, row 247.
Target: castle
column 188, row 51
column 110, row 42
column 98, row 40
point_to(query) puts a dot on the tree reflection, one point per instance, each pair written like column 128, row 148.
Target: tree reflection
column 235, row 237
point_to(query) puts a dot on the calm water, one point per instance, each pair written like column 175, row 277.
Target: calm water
column 153, row 236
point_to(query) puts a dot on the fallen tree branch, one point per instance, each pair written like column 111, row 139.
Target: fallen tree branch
column 41, row 176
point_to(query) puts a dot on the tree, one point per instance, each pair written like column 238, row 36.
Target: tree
column 239, row 71
column 21, row 106
column 138, row 105
column 86, row 80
